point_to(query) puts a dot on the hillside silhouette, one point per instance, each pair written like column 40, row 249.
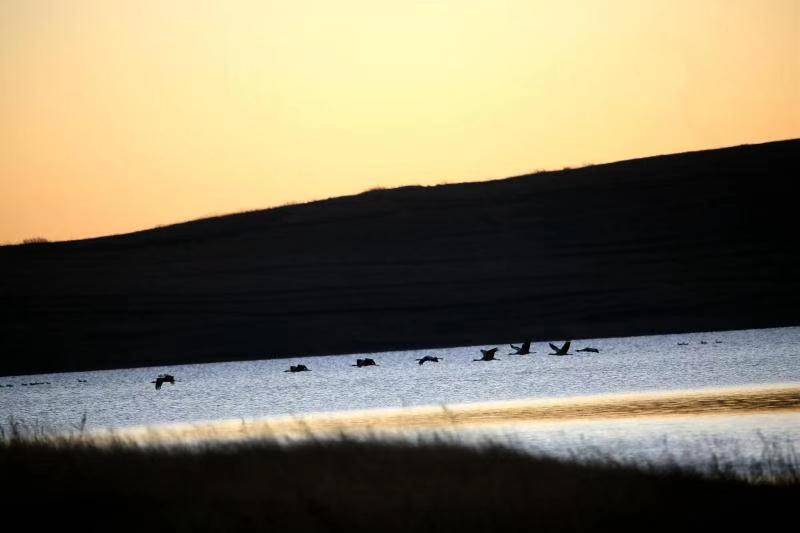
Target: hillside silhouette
column 694, row 241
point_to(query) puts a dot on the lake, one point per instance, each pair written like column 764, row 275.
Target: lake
column 256, row 389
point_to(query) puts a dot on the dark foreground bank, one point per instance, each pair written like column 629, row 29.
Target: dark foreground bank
column 353, row 487
column 696, row 241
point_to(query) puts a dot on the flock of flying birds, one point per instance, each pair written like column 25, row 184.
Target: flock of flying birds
column 487, row 355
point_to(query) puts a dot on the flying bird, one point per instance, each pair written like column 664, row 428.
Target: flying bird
column 163, row 378
column 298, row 368
column 428, row 358
column 365, row 362
column 588, row 349
column 564, row 350
column 525, row 349
column 488, row 355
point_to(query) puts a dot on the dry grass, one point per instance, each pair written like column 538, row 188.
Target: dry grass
column 35, row 240
column 371, row 485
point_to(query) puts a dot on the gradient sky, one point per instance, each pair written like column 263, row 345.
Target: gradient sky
column 122, row 115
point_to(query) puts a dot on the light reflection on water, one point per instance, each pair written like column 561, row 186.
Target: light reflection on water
column 743, row 443
column 690, row 405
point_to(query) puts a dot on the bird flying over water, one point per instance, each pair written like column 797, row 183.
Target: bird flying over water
column 488, row 355
column 298, row 368
column 588, row 349
column 163, row 378
column 428, row 358
column 564, row 350
column 365, row 362
column 525, row 349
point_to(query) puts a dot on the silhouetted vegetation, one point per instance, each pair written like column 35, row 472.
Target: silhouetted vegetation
column 686, row 242
column 349, row 485
column 35, row 240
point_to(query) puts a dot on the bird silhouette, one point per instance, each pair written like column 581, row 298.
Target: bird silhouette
column 588, row 349
column 365, row 362
column 525, row 349
column 298, row 368
column 163, row 378
column 564, row 350
column 428, row 358
column 488, row 355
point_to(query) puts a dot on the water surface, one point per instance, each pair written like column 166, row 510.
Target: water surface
column 255, row 389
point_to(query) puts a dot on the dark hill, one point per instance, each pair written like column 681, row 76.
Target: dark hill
column 695, row 241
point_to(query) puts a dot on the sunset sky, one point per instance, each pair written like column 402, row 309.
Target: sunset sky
column 123, row 115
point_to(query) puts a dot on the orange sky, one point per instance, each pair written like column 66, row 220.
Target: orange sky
column 122, row 115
